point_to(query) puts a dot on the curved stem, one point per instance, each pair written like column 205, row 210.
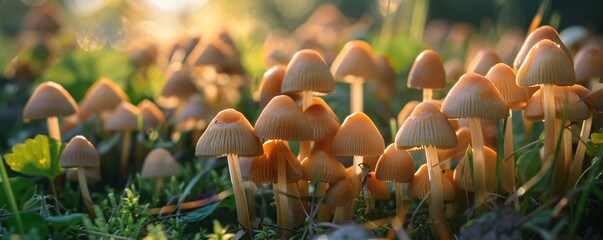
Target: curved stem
column 508, row 146
column 159, row 183
column 53, row 128
column 436, row 198
column 81, row 178
column 427, row 94
column 125, row 152
column 479, row 162
column 576, row 167
column 356, row 95
column 238, row 190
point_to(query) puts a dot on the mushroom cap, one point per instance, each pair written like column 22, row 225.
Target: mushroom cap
column 262, row 170
column 179, row 83
column 454, row 69
column 588, row 63
column 503, row 78
column 324, row 123
column 406, row 111
column 427, row 71
column 79, row 152
column 320, row 101
column 124, row 118
column 420, row 185
column 152, row 116
column 196, row 108
column 579, row 90
column 426, row 126
column 271, row 83
column 473, row 96
column 228, row 133
column 49, row 99
column 462, row 173
column 565, row 100
column 594, row 99
column 463, row 136
column 544, row 32
column 358, row 136
column 546, row 63
column 483, row 61
column 103, row 95
column 322, row 167
column 395, row 165
column 378, row 189
column 159, row 163
column 356, row 59
column 283, row 119
column 307, row 71
column 213, row 53
column 339, row 193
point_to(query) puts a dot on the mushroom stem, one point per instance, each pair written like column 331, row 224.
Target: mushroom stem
column 277, row 203
column 305, row 146
column 53, row 128
column 159, row 183
column 567, row 146
column 125, row 152
column 436, row 198
column 550, row 138
column 479, row 162
column 283, row 200
column 399, row 193
column 238, row 190
column 341, row 214
column 427, row 94
column 81, row 178
column 356, row 97
column 508, row 145
column 325, row 210
column 576, row 168
column 357, row 171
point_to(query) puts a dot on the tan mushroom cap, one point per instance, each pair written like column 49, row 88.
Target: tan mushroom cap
column 566, row 102
column 323, row 122
column 427, row 71
column 356, row 59
column 483, row 61
column 179, row 83
column 103, row 95
column 262, row 170
column 271, row 83
column 320, row 101
column 307, row 71
column 473, row 96
column 378, row 189
column 159, row 163
column 339, row 193
column 278, row 151
column 79, row 152
column 426, row 126
column 589, row 63
column 406, row 111
column 454, row 69
column 322, row 167
column 152, row 116
column 49, row 99
column 420, row 185
column 395, row 165
column 283, row 119
column 124, row 118
column 358, row 136
column 213, row 53
column 546, row 63
column 594, row 99
column 228, row 133
column 462, row 173
column 541, row 33
column 463, row 136
column 580, row 90
column 503, row 78
column 92, row 175
column 196, row 108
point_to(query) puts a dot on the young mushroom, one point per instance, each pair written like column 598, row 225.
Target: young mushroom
column 103, row 96
column 396, row 166
column 483, row 61
column 125, row 119
column 51, row 101
column 230, row 134
column 158, row 165
column 81, row 154
column 427, row 73
column 428, row 128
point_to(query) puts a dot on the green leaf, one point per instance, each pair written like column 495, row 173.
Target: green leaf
column 23, row 190
column 38, row 157
column 528, row 165
column 201, row 213
column 33, row 220
column 65, row 220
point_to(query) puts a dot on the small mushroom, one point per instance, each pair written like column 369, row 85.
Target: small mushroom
column 124, row 119
column 50, row 100
column 427, row 73
column 81, row 154
column 103, row 96
column 158, row 165
column 398, row 166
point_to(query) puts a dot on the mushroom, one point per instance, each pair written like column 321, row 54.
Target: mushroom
column 195, row 116
column 475, row 98
column 546, row 64
column 462, row 174
column 50, row 100
column 420, row 185
column 152, row 117
column 178, row 87
column 355, row 64
column 385, row 88
column 159, row 164
column 427, row 73
column 396, row 166
column 339, row 195
column 322, row 167
column 428, row 128
column 588, row 64
column 125, row 119
column 483, row 61
column 358, row 136
column 230, row 134
column 270, row 85
column 81, row 154
column 282, row 120
column 503, row 78
column 103, row 96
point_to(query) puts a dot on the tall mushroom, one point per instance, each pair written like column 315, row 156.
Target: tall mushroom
column 475, row 98
column 427, row 73
column 50, row 100
column 547, row 65
column 428, row 128
column 396, row 166
column 355, row 64
column 230, row 134
column 81, row 154
column 103, row 96
column 125, row 119
column 158, row 165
